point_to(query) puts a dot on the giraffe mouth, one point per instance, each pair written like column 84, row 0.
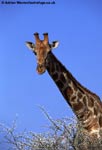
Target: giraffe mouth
column 41, row 68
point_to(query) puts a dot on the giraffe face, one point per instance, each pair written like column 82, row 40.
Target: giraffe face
column 41, row 49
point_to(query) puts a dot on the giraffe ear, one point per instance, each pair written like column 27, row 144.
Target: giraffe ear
column 54, row 44
column 30, row 45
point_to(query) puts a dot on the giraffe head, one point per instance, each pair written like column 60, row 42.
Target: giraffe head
column 41, row 48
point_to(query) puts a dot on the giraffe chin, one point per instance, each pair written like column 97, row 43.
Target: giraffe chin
column 40, row 69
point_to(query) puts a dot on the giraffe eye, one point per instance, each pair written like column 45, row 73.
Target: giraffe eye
column 34, row 52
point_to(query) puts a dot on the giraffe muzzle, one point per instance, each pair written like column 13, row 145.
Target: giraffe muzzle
column 41, row 68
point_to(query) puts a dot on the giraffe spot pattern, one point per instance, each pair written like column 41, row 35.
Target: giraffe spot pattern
column 73, row 99
column 60, row 84
column 89, row 114
column 52, row 68
column 90, row 102
column 62, row 78
column 95, row 111
column 85, row 101
column 77, row 106
column 55, row 76
column 79, row 95
column 69, row 91
column 74, row 87
column 57, row 68
column 85, row 115
column 100, row 121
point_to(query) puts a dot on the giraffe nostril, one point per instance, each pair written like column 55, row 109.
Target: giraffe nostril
column 40, row 65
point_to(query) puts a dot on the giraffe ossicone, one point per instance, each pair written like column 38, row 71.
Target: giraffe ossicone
column 86, row 105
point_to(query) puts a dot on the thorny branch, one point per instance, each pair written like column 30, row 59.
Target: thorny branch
column 63, row 134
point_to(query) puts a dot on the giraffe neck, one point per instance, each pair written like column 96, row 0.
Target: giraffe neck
column 85, row 104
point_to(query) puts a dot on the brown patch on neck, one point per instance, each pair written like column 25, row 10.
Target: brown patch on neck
column 60, row 84
column 85, row 101
column 79, row 95
column 55, row 76
column 69, row 92
column 52, row 68
column 100, row 121
column 62, row 78
column 95, row 111
column 73, row 99
column 90, row 102
column 77, row 106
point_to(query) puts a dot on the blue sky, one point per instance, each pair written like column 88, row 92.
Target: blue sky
column 77, row 25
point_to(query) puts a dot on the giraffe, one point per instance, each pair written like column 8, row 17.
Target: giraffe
column 86, row 105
